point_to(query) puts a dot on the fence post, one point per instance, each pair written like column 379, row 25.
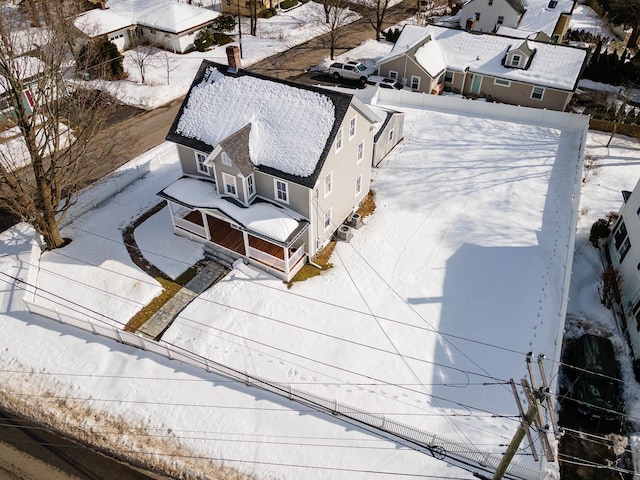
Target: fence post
column 143, row 344
column 58, row 315
column 119, row 335
column 93, row 328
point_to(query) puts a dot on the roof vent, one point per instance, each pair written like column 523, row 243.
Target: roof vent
column 553, row 3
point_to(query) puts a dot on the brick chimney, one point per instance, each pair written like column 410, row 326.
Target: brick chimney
column 233, row 58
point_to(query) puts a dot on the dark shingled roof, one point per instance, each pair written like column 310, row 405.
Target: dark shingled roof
column 341, row 102
column 237, row 147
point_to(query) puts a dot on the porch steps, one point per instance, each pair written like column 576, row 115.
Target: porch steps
column 217, row 255
column 212, row 273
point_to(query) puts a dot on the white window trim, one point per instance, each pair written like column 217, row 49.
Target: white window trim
column 328, row 180
column 541, row 95
column 417, row 87
column 514, row 62
column 360, row 152
column 327, row 225
column 229, row 180
column 453, row 76
column 339, row 140
column 286, row 190
column 200, row 166
column 393, row 75
column 353, row 123
column 358, row 190
column 253, row 179
column 502, row 82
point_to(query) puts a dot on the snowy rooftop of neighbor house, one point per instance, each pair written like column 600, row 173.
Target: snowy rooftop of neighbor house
column 430, row 56
column 27, row 66
column 292, row 126
column 541, row 17
column 262, row 217
column 96, row 22
column 484, row 54
column 515, row 32
column 167, row 15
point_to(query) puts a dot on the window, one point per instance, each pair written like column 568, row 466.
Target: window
column 415, row 82
column 339, row 140
column 328, row 184
column 537, row 93
column 448, row 77
column 226, row 160
column 358, row 185
column 391, row 135
column 282, row 191
column 502, row 82
column 251, row 185
column 490, row 2
column 637, row 211
column 393, row 75
column 200, row 159
column 352, row 128
column 28, row 97
column 360, row 151
column 621, row 240
column 515, row 60
column 500, row 20
column 228, row 3
column 229, row 184
column 327, row 219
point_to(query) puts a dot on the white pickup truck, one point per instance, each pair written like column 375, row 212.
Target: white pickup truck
column 350, row 70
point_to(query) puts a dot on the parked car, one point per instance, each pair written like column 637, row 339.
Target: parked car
column 595, row 378
column 384, row 82
column 350, row 70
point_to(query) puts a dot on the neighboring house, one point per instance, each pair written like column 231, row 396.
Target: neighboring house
column 624, row 248
column 244, row 7
column 503, row 69
column 271, row 168
column 166, row 23
column 95, row 23
column 38, row 86
column 551, row 17
column 487, row 15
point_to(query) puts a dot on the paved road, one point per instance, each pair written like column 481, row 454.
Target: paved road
column 28, row 452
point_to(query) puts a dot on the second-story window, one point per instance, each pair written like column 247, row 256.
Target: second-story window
column 328, row 184
column 200, row 159
column 352, row 128
column 282, row 191
column 339, row 140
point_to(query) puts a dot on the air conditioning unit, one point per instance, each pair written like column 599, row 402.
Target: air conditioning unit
column 344, row 233
column 355, row 221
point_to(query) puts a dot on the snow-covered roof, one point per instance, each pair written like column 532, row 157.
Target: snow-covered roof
column 263, row 218
column 167, row 15
column 292, row 126
column 27, row 67
column 515, row 32
column 552, row 66
column 431, row 58
column 539, row 17
column 97, row 22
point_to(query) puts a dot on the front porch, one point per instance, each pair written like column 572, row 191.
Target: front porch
column 214, row 224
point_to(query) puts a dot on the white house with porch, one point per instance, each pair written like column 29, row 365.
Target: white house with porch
column 271, row 169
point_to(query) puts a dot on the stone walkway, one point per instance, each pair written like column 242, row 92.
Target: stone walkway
column 162, row 319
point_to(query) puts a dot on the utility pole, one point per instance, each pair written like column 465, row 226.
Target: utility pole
column 240, row 29
column 523, row 429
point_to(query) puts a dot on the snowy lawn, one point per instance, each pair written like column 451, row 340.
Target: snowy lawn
column 469, row 239
column 585, row 18
column 444, row 209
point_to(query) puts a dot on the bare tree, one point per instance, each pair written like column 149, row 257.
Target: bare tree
column 167, row 61
column 55, row 133
column 142, row 55
column 377, row 9
column 336, row 15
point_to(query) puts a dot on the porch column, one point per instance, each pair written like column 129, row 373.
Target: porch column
column 205, row 223
column 286, row 260
column 173, row 222
column 245, row 239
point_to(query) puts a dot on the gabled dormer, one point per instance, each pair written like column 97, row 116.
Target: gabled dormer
column 519, row 57
column 232, row 167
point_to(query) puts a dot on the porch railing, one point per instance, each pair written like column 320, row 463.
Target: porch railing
column 270, row 260
column 275, row 262
column 190, row 227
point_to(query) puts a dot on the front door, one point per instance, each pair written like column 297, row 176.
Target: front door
column 475, row 83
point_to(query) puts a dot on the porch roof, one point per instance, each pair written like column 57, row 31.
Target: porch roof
column 262, row 219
